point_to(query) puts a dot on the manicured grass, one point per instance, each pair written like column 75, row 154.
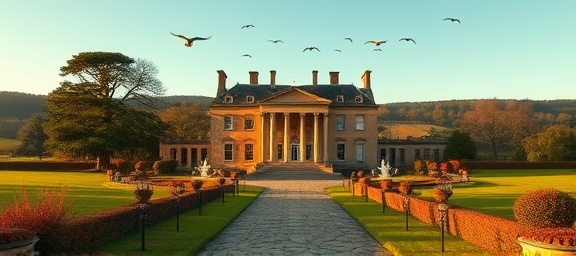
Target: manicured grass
column 195, row 231
column 389, row 229
column 87, row 191
column 495, row 191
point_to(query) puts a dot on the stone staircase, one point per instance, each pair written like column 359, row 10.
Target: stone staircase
column 294, row 171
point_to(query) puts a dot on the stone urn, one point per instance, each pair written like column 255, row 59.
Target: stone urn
column 17, row 241
column 386, row 183
column 532, row 247
column 143, row 195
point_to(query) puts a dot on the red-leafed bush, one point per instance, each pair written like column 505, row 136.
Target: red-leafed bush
column 545, row 208
column 46, row 218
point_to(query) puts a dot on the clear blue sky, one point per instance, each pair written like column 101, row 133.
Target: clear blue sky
column 505, row 49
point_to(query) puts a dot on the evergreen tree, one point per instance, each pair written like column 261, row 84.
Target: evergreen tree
column 460, row 146
column 32, row 137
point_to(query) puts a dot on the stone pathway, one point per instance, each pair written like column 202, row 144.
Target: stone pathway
column 293, row 216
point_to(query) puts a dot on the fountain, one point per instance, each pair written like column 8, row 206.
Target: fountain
column 204, row 169
column 385, row 168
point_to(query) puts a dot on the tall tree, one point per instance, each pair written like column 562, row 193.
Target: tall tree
column 32, row 138
column 187, row 121
column 556, row 143
column 460, row 146
column 90, row 117
column 498, row 123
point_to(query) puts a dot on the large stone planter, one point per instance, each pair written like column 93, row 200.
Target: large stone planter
column 17, row 241
column 535, row 248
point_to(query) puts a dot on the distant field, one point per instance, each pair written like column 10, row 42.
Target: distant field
column 7, row 145
column 415, row 130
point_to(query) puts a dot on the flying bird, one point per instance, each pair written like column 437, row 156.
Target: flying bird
column 453, row 20
column 407, row 39
column 337, row 50
column 247, row 55
column 275, row 41
column 310, row 49
column 247, row 26
column 377, row 50
column 189, row 41
column 349, row 39
column 377, row 43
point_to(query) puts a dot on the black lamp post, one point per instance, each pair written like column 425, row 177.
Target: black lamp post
column 197, row 185
column 221, row 181
column 177, row 189
column 442, row 192
column 406, row 190
column 143, row 193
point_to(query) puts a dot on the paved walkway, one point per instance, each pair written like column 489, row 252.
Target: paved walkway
column 293, row 216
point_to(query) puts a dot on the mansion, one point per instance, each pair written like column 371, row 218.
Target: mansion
column 333, row 125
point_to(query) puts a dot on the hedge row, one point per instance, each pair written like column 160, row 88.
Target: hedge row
column 46, row 165
column 494, row 234
column 518, row 165
column 91, row 231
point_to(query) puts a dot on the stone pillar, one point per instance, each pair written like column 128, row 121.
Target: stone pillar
column 325, row 138
column 262, row 119
column 286, row 137
column 302, row 138
column 272, row 128
column 316, row 137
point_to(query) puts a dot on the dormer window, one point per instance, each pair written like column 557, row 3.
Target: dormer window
column 228, row 99
column 340, row 98
column 249, row 99
column 358, row 99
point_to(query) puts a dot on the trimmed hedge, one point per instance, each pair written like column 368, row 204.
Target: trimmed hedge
column 91, row 231
column 495, row 234
column 518, row 165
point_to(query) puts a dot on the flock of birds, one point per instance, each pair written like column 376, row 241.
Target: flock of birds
column 190, row 40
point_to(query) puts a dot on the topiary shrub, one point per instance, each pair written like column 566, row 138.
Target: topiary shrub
column 165, row 167
column 546, row 208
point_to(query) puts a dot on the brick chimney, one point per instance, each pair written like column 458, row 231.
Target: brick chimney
column 221, row 83
column 366, row 79
column 314, row 77
column 253, row 77
column 272, row 77
column 334, row 77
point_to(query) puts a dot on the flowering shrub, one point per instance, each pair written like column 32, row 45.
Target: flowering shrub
column 46, row 218
column 433, row 170
column 545, row 208
column 420, row 167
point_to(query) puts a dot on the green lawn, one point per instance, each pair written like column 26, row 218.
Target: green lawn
column 494, row 191
column 390, row 229
column 88, row 191
column 7, row 145
column 195, row 231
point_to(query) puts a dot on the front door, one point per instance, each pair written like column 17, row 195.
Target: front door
column 294, row 152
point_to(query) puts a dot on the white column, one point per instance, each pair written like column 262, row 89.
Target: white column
column 286, row 136
column 325, row 138
column 272, row 128
column 262, row 118
column 316, row 137
column 302, row 138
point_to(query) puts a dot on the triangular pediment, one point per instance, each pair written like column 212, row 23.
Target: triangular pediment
column 295, row 96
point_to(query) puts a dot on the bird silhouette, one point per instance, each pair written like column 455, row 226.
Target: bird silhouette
column 337, row 50
column 453, row 20
column 407, row 39
column 310, row 49
column 275, row 41
column 247, row 26
column 247, row 55
column 349, row 39
column 377, row 50
column 189, row 41
column 377, row 43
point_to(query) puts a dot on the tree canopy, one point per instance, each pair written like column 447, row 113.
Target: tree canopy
column 556, row 143
column 460, row 146
column 187, row 122
column 91, row 117
column 32, row 137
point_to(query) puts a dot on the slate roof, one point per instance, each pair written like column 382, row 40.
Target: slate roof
column 329, row 92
